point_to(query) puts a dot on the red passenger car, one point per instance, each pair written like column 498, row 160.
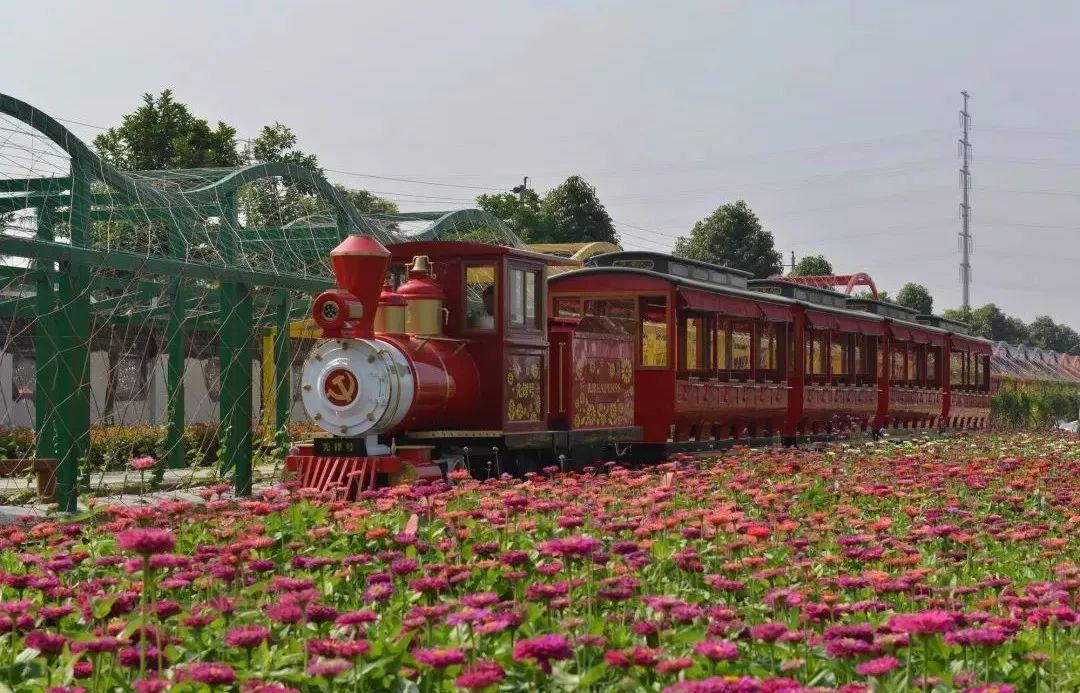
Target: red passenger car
column 471, row 356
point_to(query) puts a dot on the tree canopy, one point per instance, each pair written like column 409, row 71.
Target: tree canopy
column 812, row 266
column 733, row 236
column 572, row 213
column 916, row 297
column 163, row 133
column 569, row 213
column 521, row 214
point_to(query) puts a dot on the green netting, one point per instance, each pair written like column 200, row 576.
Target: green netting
column 155, row 300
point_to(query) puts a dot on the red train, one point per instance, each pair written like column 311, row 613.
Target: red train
column 453, row 353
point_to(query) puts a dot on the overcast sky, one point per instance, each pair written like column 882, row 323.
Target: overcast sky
column 837, row 122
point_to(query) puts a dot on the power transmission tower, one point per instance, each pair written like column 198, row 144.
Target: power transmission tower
column 965, row 204
column 792, row 262
column 520, row 189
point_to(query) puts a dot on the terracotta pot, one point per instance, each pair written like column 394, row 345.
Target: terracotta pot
column 45, row 469
column 46, row 478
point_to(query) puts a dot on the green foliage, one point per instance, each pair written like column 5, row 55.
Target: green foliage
column 990, row 322
column 368, row 202
column 521, row 214
column 812, row 266
column 917, row 297
column 733, row 236
column 1036, row 406
column 1046, row 334
column 163, row 133
column 572, row 213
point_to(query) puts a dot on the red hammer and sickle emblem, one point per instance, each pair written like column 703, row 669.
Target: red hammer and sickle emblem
column 340, row 387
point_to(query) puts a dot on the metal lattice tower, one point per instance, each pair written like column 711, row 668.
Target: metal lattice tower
column 965, row 203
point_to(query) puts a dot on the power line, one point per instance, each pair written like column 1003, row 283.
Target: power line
column 418, row 182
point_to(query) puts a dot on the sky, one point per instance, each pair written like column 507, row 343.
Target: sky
column 836, row 121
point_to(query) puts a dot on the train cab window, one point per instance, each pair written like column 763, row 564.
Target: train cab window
column 568, row 307
column 983, row 381
column 522, row 297
column 695, row 355
column 480, row 297
column 977, row 362
column 933, row 378
column 620, row 311
column 956, row 369
column 654, row 331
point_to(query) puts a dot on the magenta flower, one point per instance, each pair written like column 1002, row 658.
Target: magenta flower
column 717, row 650
column 877, row 667
column 480, row 675
column 543, row 649
column 146, row 541
column 328, row 668
column 923, row 622
column 247, row 637
column 141, row 464
column 210, row 673
column 577, row 546
column 45, row 642
column 439, row 658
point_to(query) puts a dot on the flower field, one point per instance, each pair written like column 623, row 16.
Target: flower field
column 944, row 565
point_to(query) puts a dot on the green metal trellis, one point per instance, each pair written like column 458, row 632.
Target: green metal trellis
column 74, row 282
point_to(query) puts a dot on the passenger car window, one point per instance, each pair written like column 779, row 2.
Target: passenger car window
column 654, row 336
column 480, row 297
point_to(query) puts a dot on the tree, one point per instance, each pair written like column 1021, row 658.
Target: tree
column 812, row 266
column 916, row 297
column 732, row 235
column 572, row 213
column 521, row 214
column 368, row 202
column 989, row 322
column 272, row 201
column 1044, row 333
column 163, row 133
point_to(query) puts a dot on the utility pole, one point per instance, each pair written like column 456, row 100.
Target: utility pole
column 520, row 189
column 792, row 262
column 965, row 204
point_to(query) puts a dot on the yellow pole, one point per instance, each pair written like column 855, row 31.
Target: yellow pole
column 269, row 372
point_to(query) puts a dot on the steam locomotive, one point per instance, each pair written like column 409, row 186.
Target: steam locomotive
column 439, row 355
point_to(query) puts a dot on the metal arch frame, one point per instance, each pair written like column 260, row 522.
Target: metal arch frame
column 64, row 313
column 451, row 221
column 848, row 281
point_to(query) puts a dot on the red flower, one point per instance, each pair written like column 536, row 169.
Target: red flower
column 439, row 658
column 480, row 675
column 211, row 673
column 246, row 637
column 717, row 650
column 543, row 649
column 146, row 541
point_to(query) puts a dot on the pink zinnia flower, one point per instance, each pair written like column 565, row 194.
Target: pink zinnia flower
column 146, row 541
column 717, row 650
column 579, row 546
column 877, row 667
column 246, row 637
column 439, row 658
column 543, row 649
column 923, row 622
column 140, row 464
column 46, row 643
column 150, row 686
column 480, row 675
column 211, row 673
column 328, row 668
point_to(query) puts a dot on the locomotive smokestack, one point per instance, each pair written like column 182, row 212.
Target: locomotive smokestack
column 359, row 265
